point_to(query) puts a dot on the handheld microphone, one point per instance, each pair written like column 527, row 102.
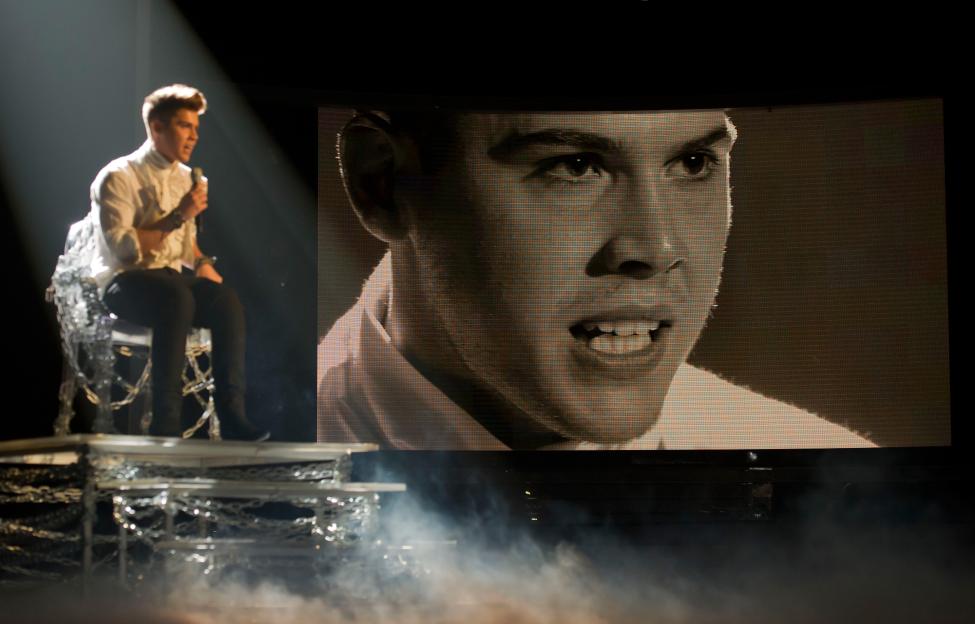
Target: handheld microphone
column 196, row 175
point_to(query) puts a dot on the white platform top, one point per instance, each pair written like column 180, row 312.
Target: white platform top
column 272, row 490
column 62, row 450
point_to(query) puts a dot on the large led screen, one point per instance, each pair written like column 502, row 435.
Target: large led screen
column 754, row 278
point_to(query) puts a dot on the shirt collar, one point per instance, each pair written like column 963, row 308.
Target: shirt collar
column 152, row 157
column 391, row 384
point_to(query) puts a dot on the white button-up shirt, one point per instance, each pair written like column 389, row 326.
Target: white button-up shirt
column 134, row 192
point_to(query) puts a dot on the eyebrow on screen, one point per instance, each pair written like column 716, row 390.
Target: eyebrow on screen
column 709, row 139
column 584, row 141
column 516, row 142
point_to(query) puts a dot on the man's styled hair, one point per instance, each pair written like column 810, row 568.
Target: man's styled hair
column 162, row 103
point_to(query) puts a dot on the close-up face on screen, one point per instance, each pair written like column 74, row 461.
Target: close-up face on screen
column 688, row 279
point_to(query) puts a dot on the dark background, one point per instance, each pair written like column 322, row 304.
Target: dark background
column 77, row 75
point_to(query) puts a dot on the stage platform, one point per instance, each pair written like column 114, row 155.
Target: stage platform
column 75, row 507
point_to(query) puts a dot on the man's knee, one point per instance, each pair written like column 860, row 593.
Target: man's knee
column 227, row 298
column 150, row 298
column 225, row 305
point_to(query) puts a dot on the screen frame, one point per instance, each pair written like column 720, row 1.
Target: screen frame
column 961, row 434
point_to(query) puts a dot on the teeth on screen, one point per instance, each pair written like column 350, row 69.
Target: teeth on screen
column 610, row 343
column 623, row 328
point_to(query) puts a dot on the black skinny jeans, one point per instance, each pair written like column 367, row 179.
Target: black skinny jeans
column 171, row 304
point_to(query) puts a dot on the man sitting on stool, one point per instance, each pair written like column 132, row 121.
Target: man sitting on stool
column 145, row 204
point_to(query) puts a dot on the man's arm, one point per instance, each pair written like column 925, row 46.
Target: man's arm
column 117, row 215
column 193, row 203
column 114, row 197
column 151, row 237
column 205, row 269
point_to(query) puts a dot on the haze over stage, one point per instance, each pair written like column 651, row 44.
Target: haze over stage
column 138, row 501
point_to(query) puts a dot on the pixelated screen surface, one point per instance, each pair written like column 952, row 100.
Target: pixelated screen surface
column 692, row 279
